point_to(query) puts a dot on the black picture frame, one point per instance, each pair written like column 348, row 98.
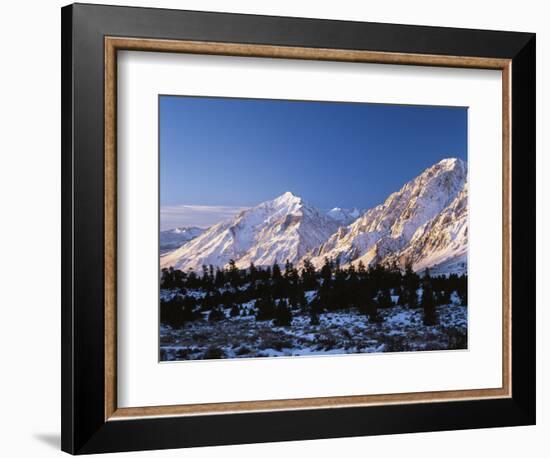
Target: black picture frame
column 84, row 428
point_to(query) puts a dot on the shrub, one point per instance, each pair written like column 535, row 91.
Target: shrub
column 313, row 319
column 326, row 342
column 234, row 311
column 216, row 314
column 178, row 311
column 384, row 299
column 213, row 353
column 277, row 342
column 396, row 344
column 243, row 350
column 458, row 339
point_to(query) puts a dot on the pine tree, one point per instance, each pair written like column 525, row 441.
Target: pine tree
column 216, row 314
column 309, row 280
column 177, row 311
column 352, row 273
column 337, row 264
column 371, row 310
column 440, row 298
column 219, row 280
column 326, row 271
column 288, row 269
column 290, row 281
column 402, row 300
column 166, row 278
column 313, row 318
column 384, row 299
column 301, row 300
column 265, row 309
column 253, row 273
column 278, row 288
column 266, row 274
column 235, row 311
column 315, row 306
column 361, row 270
column 234, row 275
column 428, row 301
column 283, row 316
column 205, row 276
column 276, row 272
column 192, row 279
column 462, row 289
column 410, row 286
column 211, row 272
column 339, row 296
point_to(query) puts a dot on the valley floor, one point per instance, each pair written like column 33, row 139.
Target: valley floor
column 342, row 332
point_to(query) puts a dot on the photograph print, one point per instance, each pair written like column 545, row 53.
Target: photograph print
column 309, row 228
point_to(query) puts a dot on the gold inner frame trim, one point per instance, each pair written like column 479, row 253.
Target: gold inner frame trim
column 114, row 44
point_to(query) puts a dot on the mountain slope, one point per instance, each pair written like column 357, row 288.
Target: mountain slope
column 343, row 216
column 388, row 228
column 174, row 238
column 285, row 228
column 442, row 243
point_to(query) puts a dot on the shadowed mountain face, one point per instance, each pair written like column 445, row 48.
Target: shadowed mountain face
column 174, row 238
column 424, row 223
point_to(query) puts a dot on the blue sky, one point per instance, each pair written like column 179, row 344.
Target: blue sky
column 220, row 152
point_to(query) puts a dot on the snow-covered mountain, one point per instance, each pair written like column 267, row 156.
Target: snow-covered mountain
column 285, row 228
column 174, row 238
column 423, row 223
column 442, row 243
column 344, row 216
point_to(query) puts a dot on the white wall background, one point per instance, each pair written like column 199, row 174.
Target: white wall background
column 30, row 226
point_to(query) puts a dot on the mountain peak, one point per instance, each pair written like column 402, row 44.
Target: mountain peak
column 343, row 216
column 390, row 226
column 289, row 195
column 450, row 163
column 285, row 228
column 288, row 198
column 186, row 229
column 449, row 160
column 446, row 171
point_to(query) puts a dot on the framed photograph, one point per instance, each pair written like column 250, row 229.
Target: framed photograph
column 280, row 228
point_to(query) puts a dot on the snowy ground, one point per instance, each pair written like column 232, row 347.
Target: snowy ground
column 338, row 332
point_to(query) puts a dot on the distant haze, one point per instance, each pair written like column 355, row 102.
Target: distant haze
column 195, row 215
